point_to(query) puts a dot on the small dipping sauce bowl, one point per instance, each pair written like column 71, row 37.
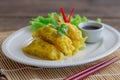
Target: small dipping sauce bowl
column 92, row 30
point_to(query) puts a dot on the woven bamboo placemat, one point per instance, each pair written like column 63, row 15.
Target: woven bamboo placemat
column 17, row 71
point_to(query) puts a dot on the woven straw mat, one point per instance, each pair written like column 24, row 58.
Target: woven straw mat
column 17, row 71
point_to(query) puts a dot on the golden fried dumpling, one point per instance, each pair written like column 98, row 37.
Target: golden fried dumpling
column 43, row 50
column 73, row 32
column 76, row 37
column 63, row 43
column 79, row 45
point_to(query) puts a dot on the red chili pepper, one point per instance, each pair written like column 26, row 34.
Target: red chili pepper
column 73, row 9
column 66, row 19
column 57, row 18
column 63, row 14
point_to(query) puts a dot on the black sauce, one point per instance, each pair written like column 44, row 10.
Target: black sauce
column 91, row 27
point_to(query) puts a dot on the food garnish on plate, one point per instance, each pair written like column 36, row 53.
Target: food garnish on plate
column 56, row 36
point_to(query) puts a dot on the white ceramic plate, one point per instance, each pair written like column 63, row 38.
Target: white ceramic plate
column 12, row 48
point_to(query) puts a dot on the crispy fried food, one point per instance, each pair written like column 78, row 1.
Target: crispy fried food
column 76, row 37
column 79, row 45
column 73, row 32
column 63, row 43
column 43, row 50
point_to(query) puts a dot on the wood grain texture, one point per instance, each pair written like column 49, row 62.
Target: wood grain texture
column 106, row 8
column 15, row 14
column 7, row 24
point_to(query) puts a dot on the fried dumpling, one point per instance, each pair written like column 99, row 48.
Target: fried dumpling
column 63, row 43
column 44, row 50
column 79, row 45
column 76, row 37
column 73, row 32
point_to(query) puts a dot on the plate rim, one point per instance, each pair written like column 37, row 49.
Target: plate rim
column 108, row 52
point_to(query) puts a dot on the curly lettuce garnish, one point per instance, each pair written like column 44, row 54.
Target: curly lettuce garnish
column 62, row 30
column 54, row 19
column 98, row 20
column 78, row 19
column 41, row 21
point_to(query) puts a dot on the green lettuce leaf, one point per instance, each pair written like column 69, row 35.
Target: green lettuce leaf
column 78, row 19
column 41, row 21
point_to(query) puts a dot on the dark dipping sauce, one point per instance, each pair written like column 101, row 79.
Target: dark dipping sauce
column 91, row 27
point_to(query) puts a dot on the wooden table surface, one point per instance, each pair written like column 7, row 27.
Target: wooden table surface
column 15, row 14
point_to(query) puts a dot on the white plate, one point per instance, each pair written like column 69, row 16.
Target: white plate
column 13, row 44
